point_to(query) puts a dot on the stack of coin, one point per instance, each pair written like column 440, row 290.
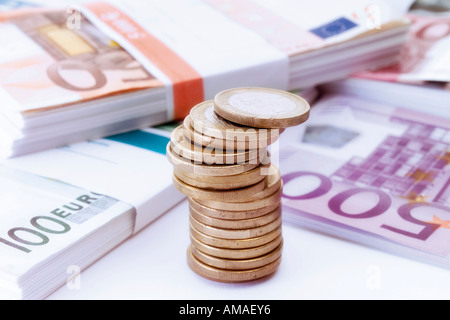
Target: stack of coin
column 222, row 164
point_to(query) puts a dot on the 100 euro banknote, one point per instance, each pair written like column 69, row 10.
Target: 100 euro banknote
column 369, row 171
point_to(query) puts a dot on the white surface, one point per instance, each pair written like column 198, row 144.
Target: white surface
column 152, row 265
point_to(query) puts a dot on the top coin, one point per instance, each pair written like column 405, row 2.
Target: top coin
column 206, row 121
column 261, row 107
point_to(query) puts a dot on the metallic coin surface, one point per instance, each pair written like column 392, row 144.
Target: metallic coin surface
column 221, row 275
column 237, row 264
column 273, row 184
column 235, row 224
column 218, row 195
column 235, row 234
column 230, row 144
column 236, row 253
column 214, row 169
column 206, row 121
column 199, row 154
column 232, row 215
column 244, row 206
column 235, row 243
column 236, row 181
column 261, row 107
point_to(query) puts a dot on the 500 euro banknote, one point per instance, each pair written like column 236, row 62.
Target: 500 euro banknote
column 370, row 171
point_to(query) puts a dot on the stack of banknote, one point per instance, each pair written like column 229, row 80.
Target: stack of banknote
column 71, row 73
column 373, row 173
column 421, row 78
column 65, row 208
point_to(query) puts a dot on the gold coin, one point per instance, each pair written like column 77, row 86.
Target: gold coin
column 235, row 243
column 236, row 253
column 235, row 144
column 273, row 184
column 235, row 234
column 261, row 107
column 217, row 195
column 184, row 148
column 213, row 186
column 214, row 169
column 237, row 264
column 237, row 181
column 205, row 121
column 221, row 275
column 235, row 224
column 244, row 206
column 232, row 215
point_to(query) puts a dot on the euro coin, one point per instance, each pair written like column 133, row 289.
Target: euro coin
column 235, row 224
column 218, row 195
column 222, row 275
column 207, row 122
column 230, row 144
column 236, row 253
column 232, row 215
column 273, row 184
column 235, row 243
column 184, row 148
column 179, row 162
column 235, row 234
column 261, row 107
column 238, row 264
column 244, row 206
column 237, row 181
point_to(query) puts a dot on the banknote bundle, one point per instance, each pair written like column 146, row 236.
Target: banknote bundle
column 56, row 222
column 222, row 163
column 374, row 173
column 69, row 74
column 421, row 78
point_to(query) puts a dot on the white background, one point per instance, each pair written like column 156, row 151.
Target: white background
column 152, row 265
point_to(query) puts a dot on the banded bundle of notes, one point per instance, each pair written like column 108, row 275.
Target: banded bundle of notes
column 372, row 173
column 63, row 209
column 71, row 74
column 420, row 80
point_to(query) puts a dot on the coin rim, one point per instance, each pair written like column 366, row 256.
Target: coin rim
column 235, row 243
column 217, row 170
column 235, row 234
column 231, row 133
column 194, row 152
column 232, row 215
column 238, row 264
column 229, row 276
column 225, row 110
column 217, row 195
column 236, row 224
column 213, row 142
column 244, row 206
column 228, row 253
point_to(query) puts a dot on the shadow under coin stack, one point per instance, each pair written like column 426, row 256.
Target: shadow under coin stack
column 222, row 164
